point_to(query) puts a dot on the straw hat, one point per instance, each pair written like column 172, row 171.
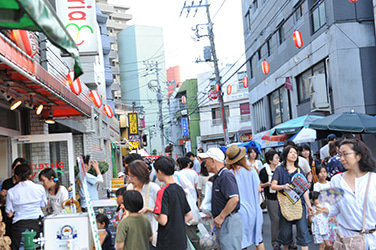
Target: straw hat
column 234, row 154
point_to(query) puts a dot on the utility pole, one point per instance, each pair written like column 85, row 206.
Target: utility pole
column 215, row 60
column 159, row 99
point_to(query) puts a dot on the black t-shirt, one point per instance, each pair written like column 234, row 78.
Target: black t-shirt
column 8, row 184
column 264, row 179
column 172, row 202
column 224, row 188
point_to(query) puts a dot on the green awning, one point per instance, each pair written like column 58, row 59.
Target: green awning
column 38, row 15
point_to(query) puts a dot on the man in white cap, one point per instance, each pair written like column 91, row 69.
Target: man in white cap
column 225, row 201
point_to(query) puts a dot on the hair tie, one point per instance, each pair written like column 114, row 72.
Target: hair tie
column 56, row 179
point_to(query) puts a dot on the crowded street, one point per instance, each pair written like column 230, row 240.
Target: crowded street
column 187, row 125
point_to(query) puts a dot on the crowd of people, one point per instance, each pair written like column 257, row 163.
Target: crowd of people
column 163, row 203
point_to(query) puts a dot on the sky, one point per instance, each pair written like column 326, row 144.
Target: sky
column 180, row 48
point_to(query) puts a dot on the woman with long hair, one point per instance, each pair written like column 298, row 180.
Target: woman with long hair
column 281, row 180
column 361, row 167
column 56, row 193
column 248, row 185
column 139, row 179
column 305, row 152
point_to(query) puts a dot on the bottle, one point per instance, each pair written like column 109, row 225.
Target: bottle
column 71, row 205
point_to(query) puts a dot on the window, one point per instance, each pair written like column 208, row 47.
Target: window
column 240, row 80
column 248, row 19
column 318, row 16
column 298, row 12
column 279, row 106
column 245, row 114
column 269, row 46
column 259, row 116
column 258, row 54
column 303, row 81
column 255, row 5
column 281, row 34
column 217, row 117
column 251, row 67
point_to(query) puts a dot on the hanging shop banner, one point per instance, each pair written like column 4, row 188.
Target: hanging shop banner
column 79, row 18
column 133, row 124
column 184, row 125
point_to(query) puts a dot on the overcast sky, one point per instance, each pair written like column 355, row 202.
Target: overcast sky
column 180, row 48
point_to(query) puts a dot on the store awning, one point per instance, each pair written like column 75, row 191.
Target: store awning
column 38, row 15
column 22, row 78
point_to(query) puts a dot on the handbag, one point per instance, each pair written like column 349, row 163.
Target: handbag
column 208, row 240
column 263, row 202
column 356, row 241
column 289, row 210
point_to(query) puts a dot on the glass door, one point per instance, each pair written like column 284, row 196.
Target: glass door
column 47, row 151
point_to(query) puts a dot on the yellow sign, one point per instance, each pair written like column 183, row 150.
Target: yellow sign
column 135, row 144
column 133, row 124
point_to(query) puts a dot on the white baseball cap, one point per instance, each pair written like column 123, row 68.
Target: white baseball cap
column 214, row 153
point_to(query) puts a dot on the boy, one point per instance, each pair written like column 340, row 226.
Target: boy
column 171, row 208
column 134, row 231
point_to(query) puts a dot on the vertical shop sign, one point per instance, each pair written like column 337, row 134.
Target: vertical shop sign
column 184, row 124
column 79, row 18
column 133, row 124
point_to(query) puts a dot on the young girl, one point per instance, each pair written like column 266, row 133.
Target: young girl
column 56, row 193
column 102, row 223
column 322, row 174
column 319, row 226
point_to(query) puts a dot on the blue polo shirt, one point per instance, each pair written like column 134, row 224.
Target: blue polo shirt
column 224, row 188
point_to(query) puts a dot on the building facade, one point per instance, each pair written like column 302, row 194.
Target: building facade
column 143, row 79
column 331, row 72
column 236, row 108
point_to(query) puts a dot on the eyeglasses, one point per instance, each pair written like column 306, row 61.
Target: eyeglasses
column 345, row 153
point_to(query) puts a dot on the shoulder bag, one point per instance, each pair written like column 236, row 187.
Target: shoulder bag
column 356, row 241
column 289, row 210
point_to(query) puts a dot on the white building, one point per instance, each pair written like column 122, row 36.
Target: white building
column 236, row 108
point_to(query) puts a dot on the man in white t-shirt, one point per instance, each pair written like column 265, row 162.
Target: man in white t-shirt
column 324, row 151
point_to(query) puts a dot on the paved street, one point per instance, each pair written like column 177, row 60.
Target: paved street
column 266, row 235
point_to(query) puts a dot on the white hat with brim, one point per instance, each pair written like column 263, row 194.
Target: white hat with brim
column 214, row 153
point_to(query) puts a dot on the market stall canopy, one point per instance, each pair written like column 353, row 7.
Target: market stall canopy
column 38, row 15
column 352, row 122
column 304, row 135
column 268, row 137
column 245, row 144
column 293, row 126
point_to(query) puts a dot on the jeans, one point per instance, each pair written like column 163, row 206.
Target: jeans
column 285, row 234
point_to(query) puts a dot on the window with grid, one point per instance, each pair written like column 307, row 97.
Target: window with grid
column 259, row 116
column 304, row 91
column 240, row 80
column 279, row 106
column 217, row 117
column 318, row 15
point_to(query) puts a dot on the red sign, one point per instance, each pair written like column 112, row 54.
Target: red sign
column 213, row 95
column 246, row 137
column 41, row 166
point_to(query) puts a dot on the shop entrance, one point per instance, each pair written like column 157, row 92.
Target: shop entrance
column 47, row 151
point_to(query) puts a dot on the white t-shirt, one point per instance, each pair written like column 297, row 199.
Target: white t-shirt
column 258, row 164
column 318, row 186
column 202, row 180
column 191, row 174
column 324, row 152
column 304, row 165
column 26, row 200
column 54, row 201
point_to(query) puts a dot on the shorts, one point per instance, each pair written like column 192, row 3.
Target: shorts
column 319, row 238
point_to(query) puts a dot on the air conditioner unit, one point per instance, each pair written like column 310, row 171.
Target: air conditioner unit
column 319, row 93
